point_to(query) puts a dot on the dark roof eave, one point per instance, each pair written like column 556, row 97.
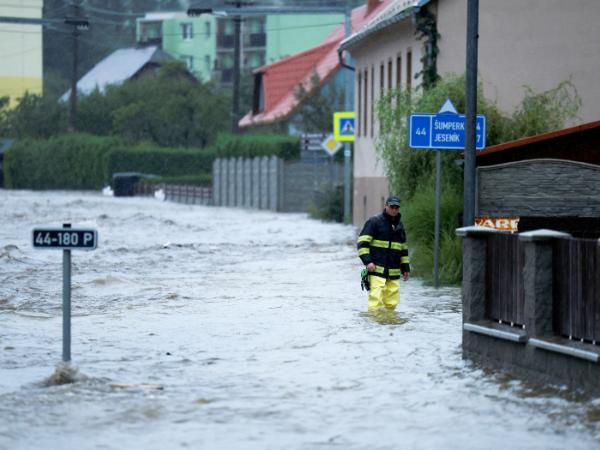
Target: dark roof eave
column 538, row 138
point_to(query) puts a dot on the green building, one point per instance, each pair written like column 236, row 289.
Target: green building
column 189, row 39
column 205, row 43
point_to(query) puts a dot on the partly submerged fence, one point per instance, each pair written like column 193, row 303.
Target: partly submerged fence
column 576, row 269
column 531, row 303
column 194, row 195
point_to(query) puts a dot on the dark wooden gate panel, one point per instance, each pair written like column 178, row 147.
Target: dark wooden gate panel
column 577, row 288
column 505, row 299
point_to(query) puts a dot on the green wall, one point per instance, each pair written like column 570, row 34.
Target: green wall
column 291, row 34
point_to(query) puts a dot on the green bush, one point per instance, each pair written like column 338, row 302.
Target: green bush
column 418, row 216
column 411, row 172
column 159, row 161
column 329, row 205
column 72, row 161
column 249, row 146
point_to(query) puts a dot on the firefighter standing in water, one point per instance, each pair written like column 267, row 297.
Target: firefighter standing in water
column 383, row 250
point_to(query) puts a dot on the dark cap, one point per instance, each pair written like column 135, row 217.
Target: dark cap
column 393, row 200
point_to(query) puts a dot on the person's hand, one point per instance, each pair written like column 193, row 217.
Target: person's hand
column 371, row 267
column 406, row 276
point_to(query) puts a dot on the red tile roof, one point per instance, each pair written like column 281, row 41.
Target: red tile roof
column 281, row 78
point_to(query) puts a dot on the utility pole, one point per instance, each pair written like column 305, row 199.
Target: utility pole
column 348, row 81
column 237, row 28
column 471, row 112
column 237, row 31
column 78, row 23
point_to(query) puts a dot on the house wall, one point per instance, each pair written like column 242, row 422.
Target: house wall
column 20, row 51
column 387, row 48
column 538, row 43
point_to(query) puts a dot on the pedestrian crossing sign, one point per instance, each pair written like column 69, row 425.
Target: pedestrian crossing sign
column 343, row 126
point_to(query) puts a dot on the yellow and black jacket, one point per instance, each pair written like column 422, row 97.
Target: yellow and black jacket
column 383, row 241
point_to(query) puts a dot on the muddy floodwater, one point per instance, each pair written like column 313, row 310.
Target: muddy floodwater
column 217, row 328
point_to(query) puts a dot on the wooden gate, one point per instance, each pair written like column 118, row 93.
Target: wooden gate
column 505, row 299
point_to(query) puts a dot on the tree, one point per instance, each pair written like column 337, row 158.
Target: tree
column 317, row 104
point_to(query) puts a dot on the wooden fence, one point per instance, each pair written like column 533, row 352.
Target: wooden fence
column 576, row 285
column 505, row 298
column 576, row 289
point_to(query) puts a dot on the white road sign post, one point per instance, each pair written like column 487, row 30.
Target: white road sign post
column 67, row 239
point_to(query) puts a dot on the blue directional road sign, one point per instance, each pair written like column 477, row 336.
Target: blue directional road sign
column 444, row 130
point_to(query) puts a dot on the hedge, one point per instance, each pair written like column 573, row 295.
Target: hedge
column 249, row 146
column 73, row 161
column 84, row 161
column 160, row 161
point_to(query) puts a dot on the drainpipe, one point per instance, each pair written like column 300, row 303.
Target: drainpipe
column 342, row 62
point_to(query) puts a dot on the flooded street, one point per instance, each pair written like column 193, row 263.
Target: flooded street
column 217, row 328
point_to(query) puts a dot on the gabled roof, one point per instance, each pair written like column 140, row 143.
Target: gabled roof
column 395, row 12
column 280, row 79
column 118, row 67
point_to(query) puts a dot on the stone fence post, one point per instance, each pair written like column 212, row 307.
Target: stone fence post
column 538, row 280
column 474, row 247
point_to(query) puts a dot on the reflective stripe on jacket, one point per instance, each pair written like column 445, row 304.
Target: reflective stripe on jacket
column 382, row 241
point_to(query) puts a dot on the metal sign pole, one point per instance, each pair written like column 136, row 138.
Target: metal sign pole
column 438, row 195
column 66, row 302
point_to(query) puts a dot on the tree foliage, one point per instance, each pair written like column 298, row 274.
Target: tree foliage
column 411, row 172
column 408, row 169
column 318, row 103
column 170, row 110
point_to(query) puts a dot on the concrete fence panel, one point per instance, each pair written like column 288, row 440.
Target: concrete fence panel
column 264, row 182
column 216, row 181
column 239, row 182
column 256, row 177
column 231, row 182
column 247, row 164
column 224, row 182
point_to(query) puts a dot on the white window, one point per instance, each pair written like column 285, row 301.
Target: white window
column 187, row 31
column 207, row 63
column 207, row 29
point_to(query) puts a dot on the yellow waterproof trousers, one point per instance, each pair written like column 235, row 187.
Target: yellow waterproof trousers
column 383, row 293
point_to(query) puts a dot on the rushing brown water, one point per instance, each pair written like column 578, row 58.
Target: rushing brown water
column 216, row 328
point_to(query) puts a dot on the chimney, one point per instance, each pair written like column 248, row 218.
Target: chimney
column 371, row 5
